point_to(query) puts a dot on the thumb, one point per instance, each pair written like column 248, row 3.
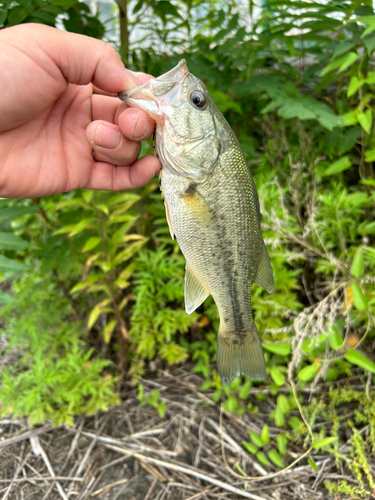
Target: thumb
column 82, row 59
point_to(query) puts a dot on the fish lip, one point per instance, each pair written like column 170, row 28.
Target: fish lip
column 148, row 90
column 153, row 109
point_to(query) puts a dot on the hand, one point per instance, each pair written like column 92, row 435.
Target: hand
column 50, row 121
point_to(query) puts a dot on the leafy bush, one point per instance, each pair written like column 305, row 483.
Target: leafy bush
column 73, row 15
column 54, row 375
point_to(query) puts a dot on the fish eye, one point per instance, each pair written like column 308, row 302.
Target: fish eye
column 198, row 99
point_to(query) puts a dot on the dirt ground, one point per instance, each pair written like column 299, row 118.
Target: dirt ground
column 130, row 453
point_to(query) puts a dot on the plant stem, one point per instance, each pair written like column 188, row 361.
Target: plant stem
column 124, row 30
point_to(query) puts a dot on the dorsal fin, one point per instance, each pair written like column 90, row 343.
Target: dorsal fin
column 264, row 276
column 195, row 294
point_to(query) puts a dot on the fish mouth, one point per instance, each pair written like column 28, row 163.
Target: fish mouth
column 157, row 93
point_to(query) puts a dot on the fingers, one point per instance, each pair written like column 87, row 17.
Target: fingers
column 106, row 139
column 116, row 132
column 133, row 123
column 112, row 178
column 136, row 125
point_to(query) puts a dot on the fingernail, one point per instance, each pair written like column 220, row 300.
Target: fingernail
column 107, row 137
column 135, row 82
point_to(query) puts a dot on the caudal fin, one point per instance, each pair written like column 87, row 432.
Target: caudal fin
column 240, row 355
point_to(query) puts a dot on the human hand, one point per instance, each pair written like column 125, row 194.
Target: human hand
column 50, row 121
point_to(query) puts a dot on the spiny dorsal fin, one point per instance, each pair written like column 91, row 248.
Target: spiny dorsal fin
column 264, row 276
column 195, row 294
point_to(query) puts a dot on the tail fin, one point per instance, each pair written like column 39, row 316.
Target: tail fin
column 240, row 355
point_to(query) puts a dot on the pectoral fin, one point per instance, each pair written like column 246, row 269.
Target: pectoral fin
column 197, row 206
column 264, row 277
column 195, row 294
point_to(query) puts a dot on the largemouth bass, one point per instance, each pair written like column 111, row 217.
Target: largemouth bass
column 212, row 209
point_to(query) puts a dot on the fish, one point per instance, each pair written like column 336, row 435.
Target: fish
column 212, row 210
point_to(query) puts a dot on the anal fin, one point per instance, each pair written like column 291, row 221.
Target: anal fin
column 195, row 294
column 264, row 276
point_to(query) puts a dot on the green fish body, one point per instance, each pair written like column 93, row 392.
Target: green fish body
column 212, row 210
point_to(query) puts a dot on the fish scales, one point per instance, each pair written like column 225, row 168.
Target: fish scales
column 213, row 211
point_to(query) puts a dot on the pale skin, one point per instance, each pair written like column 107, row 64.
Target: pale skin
column 51, row 122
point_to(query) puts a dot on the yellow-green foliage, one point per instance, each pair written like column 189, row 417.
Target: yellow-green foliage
column 54, row 376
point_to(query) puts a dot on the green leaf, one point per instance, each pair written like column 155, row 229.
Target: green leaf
column 230, row 404
column 323, row 442
column 108, row 330
column 342, row 48
column 244, row 390
column 8, row 214
column 354, row 85
column 280, row 349
column 5, row 298
column 359, row 299
column 350, row 59
column 10, row 265
column 368, row 30
column 338, row 166
column 370, row 20
column 255, row 439
column 233, row 22
column 336, row 63
column 265, row 434
column 281, row 441
column 278, row 417
column 349, row 118
column 43, row 17
column 262, row 458
column 369, row 42
column 282, row 403
column 3, row 16
column 275, row 458
column 365, row 120
column 307, row 373
column 161, row 408
column 249, row 447
column 91, row 243
column 17, row 15
column 9, row 241
column 277, row 376
column 349, row 139
column 370, row 155
column 358, row 267
column 335, row 340
column 356, row 358
column 311, row 462
column 138, row 6
column 96, row 312
column 370, row 78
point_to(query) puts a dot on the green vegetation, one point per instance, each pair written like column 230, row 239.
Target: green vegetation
column 100, row 268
